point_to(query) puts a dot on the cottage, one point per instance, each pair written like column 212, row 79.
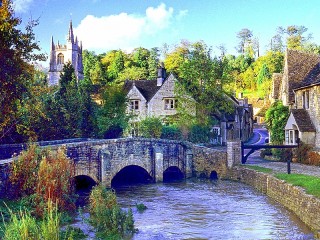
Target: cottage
column 300, row 90
column 157, row 98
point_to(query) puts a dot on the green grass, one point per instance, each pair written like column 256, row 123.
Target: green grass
column 311, row 184
column 260, row 169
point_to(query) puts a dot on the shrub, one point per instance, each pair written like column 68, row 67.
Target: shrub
column 55, row 181
column 171, row 132
column 314, row 158
column 24, row 171
column 106, row 216
column 151, row 127
column 199, row 134
column 301, row 152
column 282, row 154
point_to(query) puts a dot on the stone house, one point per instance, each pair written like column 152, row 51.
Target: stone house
column 157, row 98
column 300, row 90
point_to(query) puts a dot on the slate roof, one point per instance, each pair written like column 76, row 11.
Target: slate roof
column 303, row 120
column 148, row 88
column 299, row 65
column 313, row 78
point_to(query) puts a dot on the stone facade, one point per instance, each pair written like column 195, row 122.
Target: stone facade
column 300, row 89
column 305, row 206
column 61, row 54
column 157, row 98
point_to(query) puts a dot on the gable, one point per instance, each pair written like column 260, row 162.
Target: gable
column 301, row 119
column 166, row 89
column 134, row 93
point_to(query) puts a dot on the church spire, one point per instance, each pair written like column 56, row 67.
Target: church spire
column 52, row 44
column 70, row 35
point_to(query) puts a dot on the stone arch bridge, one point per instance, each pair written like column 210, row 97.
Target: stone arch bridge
column 101, row 160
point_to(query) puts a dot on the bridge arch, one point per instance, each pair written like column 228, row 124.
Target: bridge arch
column 173, row 173
column 131, row 174
column 84, row 182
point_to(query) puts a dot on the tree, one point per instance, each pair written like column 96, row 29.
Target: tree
column 201, row 78
column 112, row 119
column 245, row 37
column 276, row 118
column 151, row 127
column 153, row 63
column 16, row 50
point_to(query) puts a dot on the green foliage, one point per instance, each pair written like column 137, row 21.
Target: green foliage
column 141, row 207
column 17, row 49
column 276, row 118
column 107, row 217
column 112, row 118
column 171, row 132
column 151, row 127
column 202, row 78
column 22, row 225
column 199, row 134
column 310, row 183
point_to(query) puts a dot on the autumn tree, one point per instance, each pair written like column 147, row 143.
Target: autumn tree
column 17, row 49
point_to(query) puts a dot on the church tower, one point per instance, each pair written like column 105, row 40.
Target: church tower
column 61, row 54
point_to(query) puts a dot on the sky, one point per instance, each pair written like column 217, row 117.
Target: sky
column 104, row 25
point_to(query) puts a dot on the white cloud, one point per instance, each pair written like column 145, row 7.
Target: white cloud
column 22, row 6
column 182, row 13
column 123, row 30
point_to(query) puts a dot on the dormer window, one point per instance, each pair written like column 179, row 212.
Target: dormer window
column 134, row 105
column 170, row 104
column 305, row 99
column 60, row 58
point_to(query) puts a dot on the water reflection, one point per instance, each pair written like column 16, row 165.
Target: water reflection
column 201, row 209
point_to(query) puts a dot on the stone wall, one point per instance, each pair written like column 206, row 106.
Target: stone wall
column 305, row 206
column 8, row 150
column 207, row 160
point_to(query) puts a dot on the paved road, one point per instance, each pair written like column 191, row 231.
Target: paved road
column 255, row 159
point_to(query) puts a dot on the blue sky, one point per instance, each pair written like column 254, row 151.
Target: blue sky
column 103, row 25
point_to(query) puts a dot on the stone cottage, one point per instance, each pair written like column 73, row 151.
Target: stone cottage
column 157, row 98
column 300, row 90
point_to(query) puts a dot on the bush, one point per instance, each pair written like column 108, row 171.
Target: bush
column 55, row 181
column 171, row 132
column 106, row 216
column 199, row 134
column 151, row 127
column 24, row 171
column 301, row 152
column 283, row 154
column 314, row 158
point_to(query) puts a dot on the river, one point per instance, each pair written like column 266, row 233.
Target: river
column 203, row 209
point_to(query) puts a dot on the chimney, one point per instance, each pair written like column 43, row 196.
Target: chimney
column 161, row 74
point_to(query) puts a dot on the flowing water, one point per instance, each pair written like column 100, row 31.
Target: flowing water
column 201, row 209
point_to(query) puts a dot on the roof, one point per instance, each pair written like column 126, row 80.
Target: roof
column 313, row 78
column 299, row 65
column 303, row 120
column 147, row 88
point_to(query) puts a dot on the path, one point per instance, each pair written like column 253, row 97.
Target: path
column 281, row 167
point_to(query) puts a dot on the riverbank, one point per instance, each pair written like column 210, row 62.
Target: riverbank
column 305, row 206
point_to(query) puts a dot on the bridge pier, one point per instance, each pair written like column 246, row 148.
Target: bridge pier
column 158, row 162
column 233, row 153
column 188, row 161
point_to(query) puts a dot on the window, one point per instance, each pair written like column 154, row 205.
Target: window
column 60, row 58
column 170, row 104
column 305, row 99
column 134, row 105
